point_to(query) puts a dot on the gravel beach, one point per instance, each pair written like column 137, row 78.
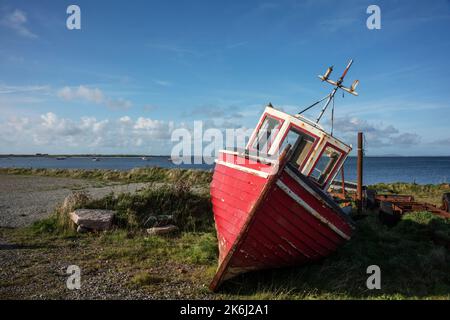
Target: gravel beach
column 38, row 270
column 25, row 199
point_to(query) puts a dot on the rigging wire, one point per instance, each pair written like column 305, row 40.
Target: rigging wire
column 306, row 109
column 332, row 118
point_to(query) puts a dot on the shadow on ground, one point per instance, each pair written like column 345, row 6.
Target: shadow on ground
column 413, row 257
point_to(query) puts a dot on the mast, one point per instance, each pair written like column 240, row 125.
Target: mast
column 337, row 85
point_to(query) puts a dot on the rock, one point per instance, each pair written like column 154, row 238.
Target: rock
column 159, row 220
column 162, row 230
column 92, row 219
column 446, row 202
column 76, row 199
column 182, row 270
column 370, row 198
column 81, row 229
column 347, row 209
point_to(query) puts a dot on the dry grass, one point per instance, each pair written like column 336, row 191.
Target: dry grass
column 413, row 263
column 426, row 193
column 149, row 174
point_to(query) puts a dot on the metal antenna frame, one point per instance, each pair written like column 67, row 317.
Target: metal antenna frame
column 337, row 85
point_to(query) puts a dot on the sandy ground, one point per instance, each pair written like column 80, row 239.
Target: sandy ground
column 38, row 271
column 25, row 199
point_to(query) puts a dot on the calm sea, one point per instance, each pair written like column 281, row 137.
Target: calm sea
column 376, row 169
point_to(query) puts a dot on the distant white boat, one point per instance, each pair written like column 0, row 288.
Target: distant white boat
column 144, row 158
column 95, row 159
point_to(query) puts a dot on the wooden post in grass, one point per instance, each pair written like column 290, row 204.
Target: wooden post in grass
column 359, row 195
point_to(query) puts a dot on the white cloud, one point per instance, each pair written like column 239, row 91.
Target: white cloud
column 149, row 107
column 51, row 133
column 163, row 83
column 17, row 21
column 119, row 104
column 158, row 129
column 405, row 139
column 376, row 134
column 215, row 112
column 82, row 92
column 125, row 119
column 442, row 142
column 94, row 95
column 6, row 89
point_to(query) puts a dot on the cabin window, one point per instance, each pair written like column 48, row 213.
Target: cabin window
column 266, row 134
column 324, row 166
column 301, row 144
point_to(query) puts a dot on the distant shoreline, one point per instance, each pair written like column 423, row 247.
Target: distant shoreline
column 80, row 156
column 168, row 156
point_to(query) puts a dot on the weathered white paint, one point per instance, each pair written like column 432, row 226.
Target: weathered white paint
column 244, row 169
column 250, row 156
column 309, row 126
column 300, row 182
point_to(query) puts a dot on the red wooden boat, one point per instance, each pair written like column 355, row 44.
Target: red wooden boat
column 271, row 207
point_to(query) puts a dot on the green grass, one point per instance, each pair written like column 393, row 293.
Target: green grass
column 413, row 255
column 413, row 265
column 148, row 174
column 189, row 210
column 422, row 192
column 145, row 278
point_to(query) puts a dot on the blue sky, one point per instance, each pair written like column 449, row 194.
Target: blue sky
column 137, row 70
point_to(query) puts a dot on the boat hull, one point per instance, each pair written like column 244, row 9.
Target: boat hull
column 271, row 220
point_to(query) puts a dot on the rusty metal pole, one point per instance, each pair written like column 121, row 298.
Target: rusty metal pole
column 359, row 196
column 343, row 182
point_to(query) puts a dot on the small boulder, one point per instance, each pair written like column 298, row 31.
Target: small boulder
column 446, row 202
column 81, row 229
column 159, row 220
column 92, row 219
column 74, row 200
column 162, row 230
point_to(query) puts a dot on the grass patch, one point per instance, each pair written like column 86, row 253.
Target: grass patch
column 412, row 266
column 147, row 174
column 422, row 192
column 145, row 278
column 59, row 223
column 413, row 255
column 177, row 202
column 198, row 248
column 48, row 225
column 190, row 211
